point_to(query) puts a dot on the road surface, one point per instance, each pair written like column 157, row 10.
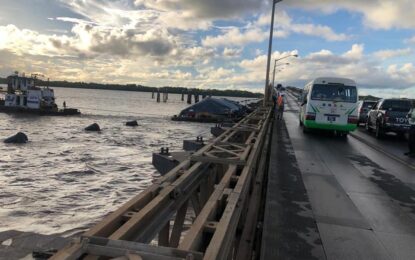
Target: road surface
column 361, row 192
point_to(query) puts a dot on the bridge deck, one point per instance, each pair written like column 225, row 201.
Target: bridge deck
column 362, row 200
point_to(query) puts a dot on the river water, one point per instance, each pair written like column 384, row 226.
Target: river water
column 66, row 179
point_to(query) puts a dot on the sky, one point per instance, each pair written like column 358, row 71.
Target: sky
column 212, row 44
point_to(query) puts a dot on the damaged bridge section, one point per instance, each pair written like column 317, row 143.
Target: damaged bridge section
column 205, row 208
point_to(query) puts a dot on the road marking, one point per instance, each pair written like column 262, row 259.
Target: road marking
column 377, row 148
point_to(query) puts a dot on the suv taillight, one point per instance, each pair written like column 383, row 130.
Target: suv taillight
column 386, row 116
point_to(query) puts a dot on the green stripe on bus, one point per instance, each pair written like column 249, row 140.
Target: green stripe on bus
column 312, row 124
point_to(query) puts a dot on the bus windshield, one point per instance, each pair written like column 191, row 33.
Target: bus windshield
column 334, row 92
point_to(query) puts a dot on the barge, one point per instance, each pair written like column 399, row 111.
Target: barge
column 23, row 96
column 212, row 110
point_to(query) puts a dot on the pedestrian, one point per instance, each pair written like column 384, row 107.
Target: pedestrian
column 411, row 139
column 274, row 98
column 280, row 106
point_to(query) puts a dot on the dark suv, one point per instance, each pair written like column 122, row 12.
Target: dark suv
column 389, row 115
column 364, row 107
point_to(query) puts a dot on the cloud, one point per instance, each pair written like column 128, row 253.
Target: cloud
column 180, row 43
column 26, row 41
column 231, row 53
column 355, row 53
column 387, row 54
column 410, row 40
column 206, row 9
column 354, row 64
column 258, row 32
column 322, row 31
column 236, row 37
column 88, row 40
column 377, row 14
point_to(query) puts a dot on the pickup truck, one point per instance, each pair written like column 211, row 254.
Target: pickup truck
column 389, row 115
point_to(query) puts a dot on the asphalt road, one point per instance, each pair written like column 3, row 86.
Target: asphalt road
column 361, row 190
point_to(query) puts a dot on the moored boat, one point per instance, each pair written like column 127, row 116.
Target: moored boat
column 23, row 96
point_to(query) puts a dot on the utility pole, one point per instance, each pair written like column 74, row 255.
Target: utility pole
column 271, row 33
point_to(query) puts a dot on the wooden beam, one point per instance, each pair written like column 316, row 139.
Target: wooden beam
column 193, row 238
column 164, row 235
column 149, row 212
column 178, row 225
column 208, row 159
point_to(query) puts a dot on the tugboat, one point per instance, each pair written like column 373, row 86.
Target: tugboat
column 23, row 96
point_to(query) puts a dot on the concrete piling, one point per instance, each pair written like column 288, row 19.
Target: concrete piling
column 152, row 95
column 189, row 98
column 182, row 96
column 196, row 98
column 158, row 97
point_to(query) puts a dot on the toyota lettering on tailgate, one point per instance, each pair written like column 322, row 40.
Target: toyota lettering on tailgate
column 402, row 120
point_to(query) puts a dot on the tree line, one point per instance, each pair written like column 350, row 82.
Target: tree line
column 140, row 88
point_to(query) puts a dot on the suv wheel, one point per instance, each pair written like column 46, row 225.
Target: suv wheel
column 367, row 126
column 379, row 132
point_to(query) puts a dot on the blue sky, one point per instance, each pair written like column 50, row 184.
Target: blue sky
column 211, row 44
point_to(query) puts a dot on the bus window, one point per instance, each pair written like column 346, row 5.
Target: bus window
column 334, row 93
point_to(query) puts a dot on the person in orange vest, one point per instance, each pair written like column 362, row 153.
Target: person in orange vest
column 280, row 106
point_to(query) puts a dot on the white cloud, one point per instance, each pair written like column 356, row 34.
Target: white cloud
column 235, row 37
column 410, row 40
column 354, row 64
column 157, row 42
column 258, row 32
column 88, row 40
column 231, row 53
column 387, row 54
column 377, row 14
column 207, row 9
column 321, row 31
column 26, row 41
column 355, row 53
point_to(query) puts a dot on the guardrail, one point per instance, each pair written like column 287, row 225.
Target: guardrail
column 218, row 187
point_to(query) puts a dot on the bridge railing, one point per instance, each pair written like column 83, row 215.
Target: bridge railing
column 202, row 209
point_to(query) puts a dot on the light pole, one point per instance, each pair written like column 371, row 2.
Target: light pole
column 271, row 32
column 275, row 65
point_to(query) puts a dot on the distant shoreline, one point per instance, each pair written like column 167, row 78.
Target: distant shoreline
column 140, row 88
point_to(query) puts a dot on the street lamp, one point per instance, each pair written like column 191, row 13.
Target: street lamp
column 275, row 65
column 287, row 56
column 267, row 92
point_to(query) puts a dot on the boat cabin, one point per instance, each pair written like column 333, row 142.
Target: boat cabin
column 22, row 93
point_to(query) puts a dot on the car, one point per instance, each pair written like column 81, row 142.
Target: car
column 389, row 115
column 364, row 107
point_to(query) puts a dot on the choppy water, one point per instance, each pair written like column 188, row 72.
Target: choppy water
column 66, row 178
